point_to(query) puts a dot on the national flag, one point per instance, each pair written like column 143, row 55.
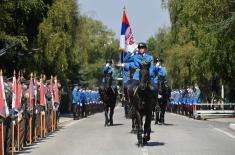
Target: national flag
column 19, row 92
column 51, row 91
column 127, row 41
column 4, row 111
column 42, row 93
column 56, row 91
column 35, row 89
column 14, row 88
column 31, row 94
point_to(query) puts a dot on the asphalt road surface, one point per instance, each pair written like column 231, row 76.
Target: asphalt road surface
column 180, row 136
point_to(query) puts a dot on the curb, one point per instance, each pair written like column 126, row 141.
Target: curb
column 232, row 126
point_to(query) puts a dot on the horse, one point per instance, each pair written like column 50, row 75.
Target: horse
column 141, row 99
column 163, row 95
column 108, row 94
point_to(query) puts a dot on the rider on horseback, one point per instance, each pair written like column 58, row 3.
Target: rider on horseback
column 108, row 69
column 140, row 92
column 139, row 59
column 162, row 91
column 160, row 71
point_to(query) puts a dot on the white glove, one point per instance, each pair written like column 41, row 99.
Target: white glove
column 157, row 64
column 107, row 65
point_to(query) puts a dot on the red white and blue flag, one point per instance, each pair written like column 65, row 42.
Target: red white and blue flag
column 42, row 93
column 31, row 94
column 56, row 91
column 127, row 41
column 19, row 92
column 4, row 111
column 14, row 91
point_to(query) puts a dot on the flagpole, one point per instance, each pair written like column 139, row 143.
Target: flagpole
column 30, row 117
column 13, row 139
column 123, row 77
column 3, row 138
column 52, row 117
column 36, row 115
column 13, row 123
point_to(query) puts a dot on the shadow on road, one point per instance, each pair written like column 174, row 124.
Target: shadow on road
column 155, row 144
column 166, row 124
column 26, row 150
column 117, row 124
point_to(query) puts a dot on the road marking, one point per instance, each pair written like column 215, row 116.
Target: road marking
column 224, row 132
column 74, row 121
column 71, row 123
column 145, row 151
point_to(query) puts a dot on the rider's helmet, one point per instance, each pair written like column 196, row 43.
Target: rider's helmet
column 158, row 60
column 109, row 61
column 142, row 45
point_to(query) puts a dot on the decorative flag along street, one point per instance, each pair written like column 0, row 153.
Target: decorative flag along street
column 31, row 93
column 127, row 42
column 18, row 94
column 42, row 93
column 56, row 91
column 14, row 88
column 4, row 111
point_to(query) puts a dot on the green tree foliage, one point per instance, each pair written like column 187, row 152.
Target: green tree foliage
column 19, row 24
column 96, row 44
column 199, row 43
column 54, row 38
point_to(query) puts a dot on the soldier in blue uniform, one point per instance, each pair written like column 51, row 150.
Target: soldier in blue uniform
column 75, row 101
column 108, row 70
column 138, row 59
column 160, row 71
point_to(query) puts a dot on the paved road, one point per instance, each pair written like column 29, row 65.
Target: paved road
column 180, row 136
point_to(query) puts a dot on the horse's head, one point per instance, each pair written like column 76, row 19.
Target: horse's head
column 108, row 80
column 163, row 89
column 144, row 75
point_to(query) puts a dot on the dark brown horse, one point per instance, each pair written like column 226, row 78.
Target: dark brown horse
column 163, row 95
column 141, row 98
column 108, row 94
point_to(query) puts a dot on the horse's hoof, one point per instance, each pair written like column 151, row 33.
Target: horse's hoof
column 140, row 145
column 144, row 141
column 133, row 131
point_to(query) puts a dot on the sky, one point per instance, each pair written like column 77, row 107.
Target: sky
column 145, row 17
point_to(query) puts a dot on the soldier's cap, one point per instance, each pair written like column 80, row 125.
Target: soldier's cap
column 142, row 45
column 158, row 60
column 109, row 61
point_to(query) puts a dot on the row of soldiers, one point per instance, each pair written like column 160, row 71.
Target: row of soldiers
column 85, row 102
column 182, row 100
column 28, row 110
column 187, row 96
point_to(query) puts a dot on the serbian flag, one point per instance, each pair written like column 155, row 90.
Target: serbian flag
column 42, row 93
column 31, row 94
column 35, row 88
column 18, row 94
column 127, row 41
column 4, row 111
column 51, row 91
column 14, row 88
column 56, row 91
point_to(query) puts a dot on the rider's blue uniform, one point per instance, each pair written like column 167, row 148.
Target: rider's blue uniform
column 160, row 71
column 138, row 60
column 128, row 58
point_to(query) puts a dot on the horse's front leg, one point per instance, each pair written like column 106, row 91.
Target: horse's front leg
column 111, row 114
column 147, row 123
column 106, row 114
column 163, row 109
column 157, row 113
column 139, row 129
